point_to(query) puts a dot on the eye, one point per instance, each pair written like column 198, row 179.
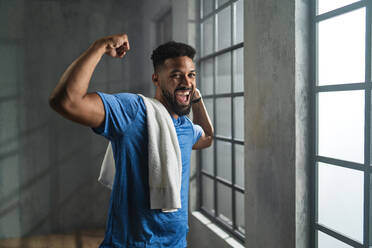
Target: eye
column 176, row 75
column 192, row 75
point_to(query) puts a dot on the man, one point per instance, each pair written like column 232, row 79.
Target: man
column 121, row 118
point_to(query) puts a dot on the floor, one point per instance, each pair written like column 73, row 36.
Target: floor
column 81, row 239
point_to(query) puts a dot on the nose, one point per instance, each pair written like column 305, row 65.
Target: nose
column 188, row 81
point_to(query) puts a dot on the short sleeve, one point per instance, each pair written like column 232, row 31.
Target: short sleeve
column 198, row 131
column 120, row 111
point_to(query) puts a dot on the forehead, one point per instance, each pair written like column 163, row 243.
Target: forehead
column 182, row 63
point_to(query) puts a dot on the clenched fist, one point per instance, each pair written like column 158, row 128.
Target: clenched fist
column 116, row 45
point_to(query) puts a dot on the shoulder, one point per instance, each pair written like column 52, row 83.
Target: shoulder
column 127, row 97
column 119, row 96
column 187, row 120
column 187, row 123
column 195, row 129
column 121, row 102
column 128, row 100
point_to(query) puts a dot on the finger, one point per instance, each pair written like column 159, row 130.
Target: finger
column 122, row 55
column 125, row 46
column 120, row 50
column 112, row 53
column 114, row 44
column 126, row 42
column 125, row 37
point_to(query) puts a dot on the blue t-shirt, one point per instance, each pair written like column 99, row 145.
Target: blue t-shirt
column 131, row 222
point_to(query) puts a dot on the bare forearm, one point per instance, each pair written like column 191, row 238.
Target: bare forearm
column 74, row 83
column 201, row 117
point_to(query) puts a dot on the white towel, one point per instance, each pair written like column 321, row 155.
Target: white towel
column 164, row 157
column 107, row 173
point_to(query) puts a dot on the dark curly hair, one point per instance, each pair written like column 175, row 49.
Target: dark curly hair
column 171, row 49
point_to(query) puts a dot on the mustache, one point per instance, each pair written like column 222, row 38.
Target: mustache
column 183, row 88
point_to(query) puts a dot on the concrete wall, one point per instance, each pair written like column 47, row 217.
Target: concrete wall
column 49, row 165
column 276, row 124
column 277, row 169
column 151, row 12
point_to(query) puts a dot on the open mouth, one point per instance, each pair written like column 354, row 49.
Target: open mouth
column 183, row 96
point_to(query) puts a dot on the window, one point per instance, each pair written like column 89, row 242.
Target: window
column 342, row 123
column 221, row 82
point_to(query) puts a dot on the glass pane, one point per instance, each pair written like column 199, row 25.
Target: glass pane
column 327, row 5
column 239, row 165
column 239, row 206
column 208, row 103
column 224, row 28
column 239, row 22
column 207, row 77
column 207, row 193
column 370, row 210
column 207, row 27
column 223, row 115
column 238, row 70
column 224, row 203
column 221, row 2
column 208, row 159
column 223, row 80
column 341, row 125
column 340, row 199
column 326, row 241
column 239, row 117
column 207, row 7
column 224, row 159
column 341, row 49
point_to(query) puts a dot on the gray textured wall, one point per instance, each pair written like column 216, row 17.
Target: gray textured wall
column 152, row 11
column 49, row 165
column 303, row 124
column 276, row 122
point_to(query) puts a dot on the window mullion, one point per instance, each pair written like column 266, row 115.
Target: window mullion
column 367, row 138
column 214, row 55
column 232, row 40
column 214, row 113
column 366, row 86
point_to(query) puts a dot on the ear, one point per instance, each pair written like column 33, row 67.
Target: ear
column 155, row 79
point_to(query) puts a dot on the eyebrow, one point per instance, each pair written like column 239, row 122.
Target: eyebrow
column 176, row 70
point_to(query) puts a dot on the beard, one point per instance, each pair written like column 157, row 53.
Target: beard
column 177, row 108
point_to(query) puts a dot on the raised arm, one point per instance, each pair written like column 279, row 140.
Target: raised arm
column 70, row 97
column 201, row 117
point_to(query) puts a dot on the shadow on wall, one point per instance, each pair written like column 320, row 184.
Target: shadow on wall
column 49, row 165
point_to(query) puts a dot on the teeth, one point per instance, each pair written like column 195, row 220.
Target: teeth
column 185, row 93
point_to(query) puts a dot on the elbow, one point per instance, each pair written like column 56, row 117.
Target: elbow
column 58, row 103
column 210, row 141
column 53, row 103
column 209, row 137
column 212, row 132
